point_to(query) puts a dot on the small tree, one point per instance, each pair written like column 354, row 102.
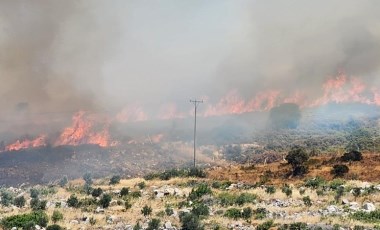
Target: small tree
column 146, row 210
column 190, row 222
column 296, row 158
column 87, row 178
column 34, row 193
column 352, row 156
column 356, row 192
column 54, row 227
column 339, row 170
column 6, row 198
column 247, row 213
column 115, row 179
column 124, row 191
column 154, row 224
column 287, row 190
column 307, row 201
column 57, row 216
column 97, row 192
column 20, row 201
column 73, row 201
column 105, row 200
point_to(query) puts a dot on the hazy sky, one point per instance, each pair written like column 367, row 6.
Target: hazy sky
column 105, row 55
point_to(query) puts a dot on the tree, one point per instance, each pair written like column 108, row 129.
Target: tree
column 146, row 210
column 20, row 201
column 124, row 191
column 356, row 192
column 115, row 179
column 190, row 222
column 73, row 201
column 296, row 158
column 37, row 204
column 34, row 193
column 6, row 198
column 97, row 192
column 270, row 190
column 87, row 178
column 285, row 116
column 339, row 170
column 57, row 216
column 247, row 213
column 352, row 156
column 154, row 224
column 105, row 200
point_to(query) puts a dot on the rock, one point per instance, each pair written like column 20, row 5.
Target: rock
column 37, row 227
column 99, row 210
column 168, row 225
column 369, row 207
column 332, row 209
column 354, row 206
column 345, row 201
column 14, row 228
column 74, row 222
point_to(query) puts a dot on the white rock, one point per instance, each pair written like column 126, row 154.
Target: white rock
column 74, row 222
column 370, row 207
column 168, row 225
column 37, row 227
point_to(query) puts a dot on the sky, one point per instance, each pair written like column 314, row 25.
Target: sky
column 64, row 56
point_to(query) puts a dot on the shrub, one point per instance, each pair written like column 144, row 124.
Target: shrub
column 200, row 210
column 287, row 190
column 34, row 193
column 105, row 200
column 6, row 198
column 315, row 183
column 54, row 227
column 25, row 220
column 190, row 222
column 247, row 213
column 339, row 193
column 202, row 189
column 169, row 211
column 352, row 156
column 92, row 221
column 87, row 177
column 336, row 183
column 370, row 217
column 19, row 201
column 265, row 226
column 124, row 191
column 260, row 213
column 37, row 204
column 154, row 224
column 127, row 205
column 197, row 172
column 296, row 158
column 115, row 179
column 146, row 210
column 137, row 226
column 57, row 216
column 339, row 170
column 245, row 198
column 298, row 226
column 233, row 213
column 141, row 185
column 307, row 201
column 270, row 189
column 97, row 192
column 136, row 194
column 73, row 201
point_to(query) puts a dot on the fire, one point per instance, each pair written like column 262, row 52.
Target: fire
column 82, row 132
column 24, row 144
column 132, row 114
column 170, row 111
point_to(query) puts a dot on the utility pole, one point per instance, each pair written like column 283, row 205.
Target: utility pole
column 196, row 103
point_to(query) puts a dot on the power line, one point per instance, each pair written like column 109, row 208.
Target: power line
column 196, row 103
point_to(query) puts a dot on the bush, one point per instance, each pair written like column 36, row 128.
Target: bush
column 25, row 220
column 97, row 192
column 154, row 224
column 57, row 216
column 247, row 213
column 34, row 193
column 6, row 198
column 233, row 213
column 146, row 210
column 352, row 156
column 54, row 227
column 136, row 194
column 141, row 185
column 270, row 189
column 73, row 201
column 245, row 198
column 115, row 179
column 287, row 190
column 196, row 172
column 169, row 211
column 265, row 226
column 201, row 190
column 307, row 201
column 296, row 158
column 124, row 191
column 37, row 204
column 370, row 217
column 190, row 222
column 356, row 192
column 200, row 210
column 260, row 213
column 339, row 170
column 315, row 183
column 87, row 177
column 105, row 200
column 19, row 201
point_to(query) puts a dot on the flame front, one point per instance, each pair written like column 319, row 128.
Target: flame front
column 18, row 145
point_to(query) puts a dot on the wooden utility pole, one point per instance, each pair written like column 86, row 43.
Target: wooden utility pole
column 196, row 103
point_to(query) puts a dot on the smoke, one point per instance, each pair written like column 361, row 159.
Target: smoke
column 59, row 57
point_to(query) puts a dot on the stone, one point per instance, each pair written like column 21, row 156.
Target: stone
column 74, row 222
column 168, row 225
column 369, row 207
column 99, row 210
column 345, row 201
column 37, row 227
column 332, row 209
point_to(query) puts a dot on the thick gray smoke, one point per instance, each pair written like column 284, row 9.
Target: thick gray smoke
column 63, row 56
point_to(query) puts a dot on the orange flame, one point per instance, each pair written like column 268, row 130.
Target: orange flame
column 18, row 145
column 132, row 114
column 82, row 132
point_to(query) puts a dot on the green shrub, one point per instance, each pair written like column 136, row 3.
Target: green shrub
column 233, row 213
column 124, row 191
column 260, row 213
column 352, row 156
column 169, row 211
column 6, row 198
column 141, row 185
column 115, row 179
column 54, row 227
column 247, row 213
column 37, row 204
column 63, row 182
column 201, row 190
column 105, row 200
column 135, row 194
column 97, row 192
column 34, row 193
column 146, row 210
column 190, row 222
column 73, row 201
column 245, row 198
column 200, row 209
column 287, row 190
column 315, row 183
column 19, row 201
column 25, row 220
column 307, row 201
column 270, row 189
column 154, row 224
column 57, row 216
column 265, row 226
column 87, row 177
column 370, row 217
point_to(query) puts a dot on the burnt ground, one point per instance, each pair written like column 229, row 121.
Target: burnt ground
column 47, row 164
